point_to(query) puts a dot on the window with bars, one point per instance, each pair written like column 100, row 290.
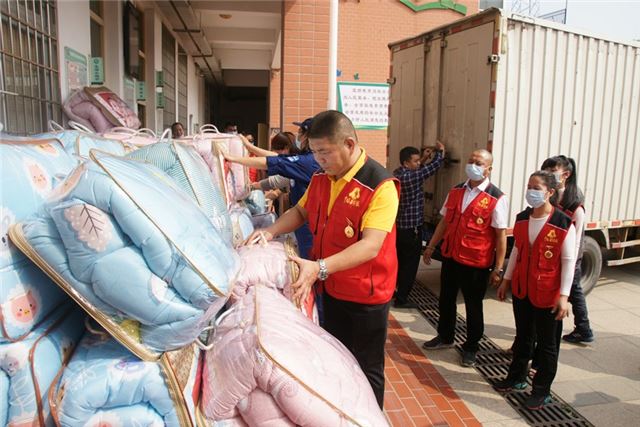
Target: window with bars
column 169, row 75
column 29, row 81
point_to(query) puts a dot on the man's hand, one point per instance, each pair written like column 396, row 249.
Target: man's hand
column 440, row 146
column 495, row 278
column 502, row 289
column 258, row 236
column 562, row 307
column 426, row 257
column 308, row 275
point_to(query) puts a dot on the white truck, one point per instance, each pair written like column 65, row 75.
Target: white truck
column 527, row 89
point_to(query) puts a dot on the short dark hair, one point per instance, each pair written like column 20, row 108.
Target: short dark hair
column 407, row 152
column 228, row 124
column 174, row 128
column 333, row 125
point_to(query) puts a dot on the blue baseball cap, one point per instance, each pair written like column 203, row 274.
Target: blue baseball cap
column 305, row 125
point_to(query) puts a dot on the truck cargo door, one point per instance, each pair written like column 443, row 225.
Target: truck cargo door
column 405, row 121
column 464, row 100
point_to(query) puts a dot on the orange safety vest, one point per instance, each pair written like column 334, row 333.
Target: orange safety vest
column 374, row 281
column 469, row 238
column 537, row 272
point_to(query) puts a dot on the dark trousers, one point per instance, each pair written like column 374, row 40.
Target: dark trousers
column 473, row 284
column 363, row 330
column 408, row 247
column 535, row 323
column 579, row 304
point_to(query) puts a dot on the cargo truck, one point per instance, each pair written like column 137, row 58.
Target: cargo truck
column 527, row 89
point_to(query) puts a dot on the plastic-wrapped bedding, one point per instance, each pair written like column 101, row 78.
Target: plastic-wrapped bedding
column 30, row 170
column 99, row 109
column 241, row 224
column 233, row 177
column 256, row 202
column 28, row 367
column 263, row 220
column 130, row 137
column 106, row 385
column 134, row 251
column 269, row 264
column 267, row 359
column 190, row 172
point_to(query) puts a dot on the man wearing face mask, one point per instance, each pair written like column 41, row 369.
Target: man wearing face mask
column 473, row 229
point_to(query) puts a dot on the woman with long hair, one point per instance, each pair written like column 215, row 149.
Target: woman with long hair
column 540, row 274
column 572, row 203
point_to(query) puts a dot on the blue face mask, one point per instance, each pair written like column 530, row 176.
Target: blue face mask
column 474, row 172
column 535, row 198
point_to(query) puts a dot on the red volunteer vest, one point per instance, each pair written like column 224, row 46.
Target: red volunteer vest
column 372, row 282
column 470, row 239
column 537, row 272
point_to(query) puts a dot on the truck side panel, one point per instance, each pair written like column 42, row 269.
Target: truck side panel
column 560, row 92
column 465, row 100
column 405, row 122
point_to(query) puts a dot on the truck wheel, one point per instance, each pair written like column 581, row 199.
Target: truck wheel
column 591, row 264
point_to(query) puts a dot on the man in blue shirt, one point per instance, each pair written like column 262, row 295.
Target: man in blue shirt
column 298, row 168
column 412, row 173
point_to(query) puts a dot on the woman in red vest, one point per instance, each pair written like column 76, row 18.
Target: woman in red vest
column 540, row 274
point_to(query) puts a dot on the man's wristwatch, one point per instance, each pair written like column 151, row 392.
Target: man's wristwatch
column 323, row 273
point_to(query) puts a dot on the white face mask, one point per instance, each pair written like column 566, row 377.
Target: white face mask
column 474, row 172
column 558, row 175
column 535, row 198
column 298, row 143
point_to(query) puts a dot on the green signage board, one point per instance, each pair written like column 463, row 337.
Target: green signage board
column 159, row 78
column 159, row 100
column 97, row 70
column 141, row 92
column 76, row 69
column 441, row 4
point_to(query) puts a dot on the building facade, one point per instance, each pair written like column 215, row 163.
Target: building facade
column 260, row 64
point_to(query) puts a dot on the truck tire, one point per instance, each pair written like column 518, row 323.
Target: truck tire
column 591, row 264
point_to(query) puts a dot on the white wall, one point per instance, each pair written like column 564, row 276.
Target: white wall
column 194, row 95
column 73, row 32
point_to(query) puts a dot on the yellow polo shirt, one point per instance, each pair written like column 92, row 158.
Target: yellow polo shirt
column 383, row 208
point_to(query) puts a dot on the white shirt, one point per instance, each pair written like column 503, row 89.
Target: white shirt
column 567, row 256
column 499, row 216
column 578, row 219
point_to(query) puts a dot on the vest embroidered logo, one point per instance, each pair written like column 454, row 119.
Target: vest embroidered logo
column 353, row 199
column 484, row 203
column 551, row 237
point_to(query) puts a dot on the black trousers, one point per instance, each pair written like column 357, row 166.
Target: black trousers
column 408, row 247
column 535, row 323
column 363, row 330
column 579, row 304
column 473, row 284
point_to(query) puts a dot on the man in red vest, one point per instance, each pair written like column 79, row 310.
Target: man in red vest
column 351, row 205
column 473, row 225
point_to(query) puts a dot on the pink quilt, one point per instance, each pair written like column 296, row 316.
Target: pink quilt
column 303, row 375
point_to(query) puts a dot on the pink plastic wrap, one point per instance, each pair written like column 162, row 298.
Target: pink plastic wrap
column 232, row 177
column 269, row 264
column 264, row 343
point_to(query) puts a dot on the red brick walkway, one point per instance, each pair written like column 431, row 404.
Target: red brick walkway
column 416, row 394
